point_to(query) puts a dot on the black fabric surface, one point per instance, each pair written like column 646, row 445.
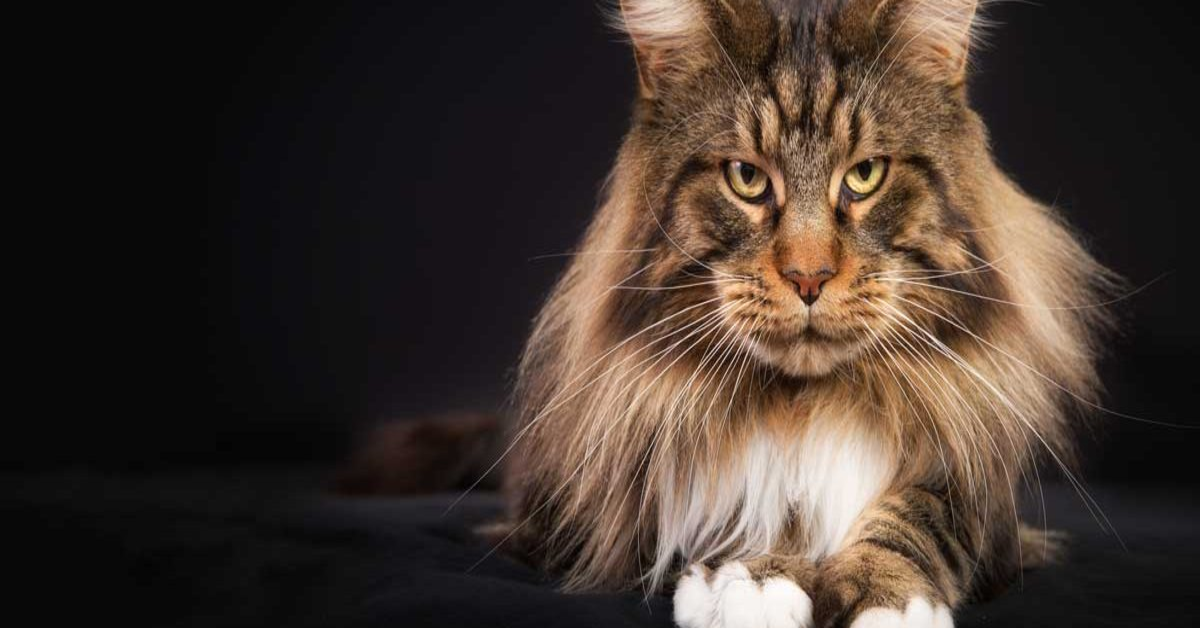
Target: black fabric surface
column 264, row 547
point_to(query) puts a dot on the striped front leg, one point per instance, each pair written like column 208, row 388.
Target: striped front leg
column 908, row 566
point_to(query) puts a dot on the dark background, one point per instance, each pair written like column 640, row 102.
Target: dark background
column 249, row 231
column 375, row 188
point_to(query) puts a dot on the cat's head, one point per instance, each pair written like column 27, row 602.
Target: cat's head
column 810, row 162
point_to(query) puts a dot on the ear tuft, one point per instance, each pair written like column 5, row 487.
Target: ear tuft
column 666, row 36
column 934, row 35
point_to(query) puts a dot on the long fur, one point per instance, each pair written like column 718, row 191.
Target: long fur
column 656, row 431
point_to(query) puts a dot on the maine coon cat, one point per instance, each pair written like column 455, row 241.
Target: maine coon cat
column 814, row 341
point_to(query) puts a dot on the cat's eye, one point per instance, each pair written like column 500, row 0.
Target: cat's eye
column 748, row 181
column 864, row 178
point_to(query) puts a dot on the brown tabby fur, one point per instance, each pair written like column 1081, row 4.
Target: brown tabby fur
column 958, row 326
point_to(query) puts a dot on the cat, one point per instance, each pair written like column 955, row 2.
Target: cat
column 814, row 341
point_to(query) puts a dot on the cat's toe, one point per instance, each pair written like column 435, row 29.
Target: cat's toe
column 786, row 604
column 732, row 598
column 694, row 600
column 919, row 613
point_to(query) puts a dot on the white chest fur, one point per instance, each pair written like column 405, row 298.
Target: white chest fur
column 825, row 478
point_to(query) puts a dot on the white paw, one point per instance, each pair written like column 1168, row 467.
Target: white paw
column 731, row 598
column 918, row 614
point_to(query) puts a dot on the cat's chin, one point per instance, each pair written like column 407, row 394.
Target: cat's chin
column 806, row 359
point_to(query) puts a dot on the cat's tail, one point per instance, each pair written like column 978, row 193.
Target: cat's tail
column 430, row 455
column 1041, row 547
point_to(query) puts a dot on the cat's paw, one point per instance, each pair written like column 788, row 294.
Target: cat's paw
column 732, row 598
column 919, row 613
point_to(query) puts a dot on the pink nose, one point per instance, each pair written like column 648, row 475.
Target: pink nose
column 808, row 284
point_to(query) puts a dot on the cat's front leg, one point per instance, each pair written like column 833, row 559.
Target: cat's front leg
column 907, row 567
column 760, row 593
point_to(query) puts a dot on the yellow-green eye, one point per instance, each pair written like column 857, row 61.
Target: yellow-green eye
column 748, row 181
column 865, row 177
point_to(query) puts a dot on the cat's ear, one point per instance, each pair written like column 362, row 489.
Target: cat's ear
column 932, row 36
column 667, row 36
column 674, row 38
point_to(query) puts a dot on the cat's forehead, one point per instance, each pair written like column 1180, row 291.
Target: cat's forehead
column 814, row 96
column 805, row 84
column 799, row 112
column 806, row 91
column 799, row 12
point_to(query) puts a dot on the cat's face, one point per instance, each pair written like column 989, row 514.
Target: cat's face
column 809, row 177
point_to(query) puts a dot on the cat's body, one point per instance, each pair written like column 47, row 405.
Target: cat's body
column 814, row 340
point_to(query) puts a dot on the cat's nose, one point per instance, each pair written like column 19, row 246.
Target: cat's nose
column 808, row 284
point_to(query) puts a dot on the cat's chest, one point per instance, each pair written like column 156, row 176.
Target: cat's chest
column 812, row 486
column 830, row 476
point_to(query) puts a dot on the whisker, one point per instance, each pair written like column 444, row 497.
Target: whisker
column 930, row 274
column 892, row 359
column 646, row 192
column 579, row 253
column 928, row 365
column 1052, row 308
column 661, row 228
column 554, row 403
column 1016, row 412
column 732, row 333
column 591, row 449
column 715, row 282
column 1050, row 380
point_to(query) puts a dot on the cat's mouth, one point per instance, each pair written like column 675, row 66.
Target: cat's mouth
column 802, row 328
column 802, row 339
column 810, row 334
column 805, row 351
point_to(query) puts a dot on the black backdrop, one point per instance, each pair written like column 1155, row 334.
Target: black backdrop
column 379, row 186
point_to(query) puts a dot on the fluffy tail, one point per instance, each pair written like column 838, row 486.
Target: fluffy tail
column 1041, row 548
column 436, row 454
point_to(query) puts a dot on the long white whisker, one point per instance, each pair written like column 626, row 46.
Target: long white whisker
column 1045, row 377
column 970, row 480
column 927, row 274
column 715, row 282
column 949, row 387
column 1052, row 308
column 554, row 403
column 591, row 450
column 1018, row 413
column 589, row 252
column 651, row 447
